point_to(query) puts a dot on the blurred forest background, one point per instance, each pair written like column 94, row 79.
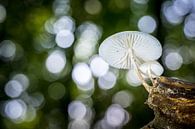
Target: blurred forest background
column 51, row 76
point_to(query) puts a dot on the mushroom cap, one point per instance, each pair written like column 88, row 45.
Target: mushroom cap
column 118, row 49
column 155, row 68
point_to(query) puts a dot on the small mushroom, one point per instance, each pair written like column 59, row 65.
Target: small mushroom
column 151, row 69
column 130, row 49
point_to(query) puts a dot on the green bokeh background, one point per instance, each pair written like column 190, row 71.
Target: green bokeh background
column 25, row 21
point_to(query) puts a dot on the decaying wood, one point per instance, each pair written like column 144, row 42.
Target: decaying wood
column 173, row 103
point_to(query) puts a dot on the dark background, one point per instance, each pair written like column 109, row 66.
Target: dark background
column 25, row 21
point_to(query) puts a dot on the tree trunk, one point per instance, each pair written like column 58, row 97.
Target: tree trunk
column 173, row 103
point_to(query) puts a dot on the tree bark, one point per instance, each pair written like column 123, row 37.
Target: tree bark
column 173, row 103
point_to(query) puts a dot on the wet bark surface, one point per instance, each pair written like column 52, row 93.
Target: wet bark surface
column 173, row 103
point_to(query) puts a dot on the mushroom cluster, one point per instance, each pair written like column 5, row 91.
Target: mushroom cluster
column 135, row 51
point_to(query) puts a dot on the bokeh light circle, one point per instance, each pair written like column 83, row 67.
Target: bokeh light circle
column 64, row 38
column 77, row 110
column 55, row 62
column 15, row 109
column 13, row 88
column 173, row 61
column 147, row 24
column 81, row 73
column 98, row 66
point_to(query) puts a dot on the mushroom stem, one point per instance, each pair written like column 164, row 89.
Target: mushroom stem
column 150, row 74
column 146, row 86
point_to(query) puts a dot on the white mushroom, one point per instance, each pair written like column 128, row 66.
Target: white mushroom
column 151, row 69
column 119, row 48
column 129, row 49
